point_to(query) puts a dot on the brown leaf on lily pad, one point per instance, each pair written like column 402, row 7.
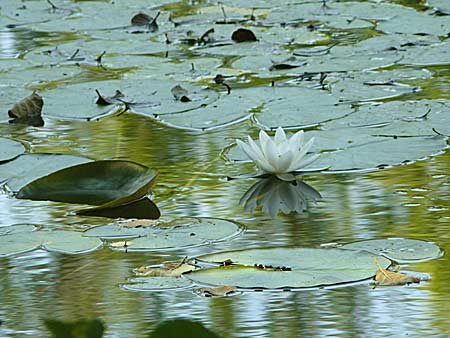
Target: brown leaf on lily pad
column 219, row 291
column 169, row 269
column 243, row 35
column 392, row 278
column 146, row 21
column 180, row 94
column 28, row 111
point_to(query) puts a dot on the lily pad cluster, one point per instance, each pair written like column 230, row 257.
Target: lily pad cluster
column 291, row 268
column 284, row 65
column 128, row 236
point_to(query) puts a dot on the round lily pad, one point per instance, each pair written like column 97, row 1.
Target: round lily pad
column 16, row 239
column 402, row 250
column 184, row 232
column 69, row 242
column 156, row 283
column 281, row 268
column 21, row 238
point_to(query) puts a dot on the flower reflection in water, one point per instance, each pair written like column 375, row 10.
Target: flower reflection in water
column 273, row 194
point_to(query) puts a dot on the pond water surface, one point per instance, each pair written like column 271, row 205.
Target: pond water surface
column 408, row 201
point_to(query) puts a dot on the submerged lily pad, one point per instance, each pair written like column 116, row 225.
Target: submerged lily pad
column 184, row 232
column 96, row 182
column 286, row 268
column 402, row 250
column 10, row 149
column 29, row 167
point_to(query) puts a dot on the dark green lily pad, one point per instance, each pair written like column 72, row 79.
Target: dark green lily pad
column 182, row 327
column 95, row 183
column 287, row 268
column 10, row 149
column 185, row 232
column 82, row 328
column 141, row 209
column 29, row 167
column 402, row 250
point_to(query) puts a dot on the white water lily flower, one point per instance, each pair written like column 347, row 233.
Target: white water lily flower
column 279, row 155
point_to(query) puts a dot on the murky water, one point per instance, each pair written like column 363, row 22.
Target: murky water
column 410, row 201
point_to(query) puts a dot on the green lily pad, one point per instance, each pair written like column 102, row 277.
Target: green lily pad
column 185, row 232
column 29, row 167
column 23, row 238
column 281, row 268
column 402, row 250
column 10, row 149
column 77, row 101
column 96, row 182
column 17, row 239
column 69, row 242
column 156, row 283
column 237, row 105
column 298, row 107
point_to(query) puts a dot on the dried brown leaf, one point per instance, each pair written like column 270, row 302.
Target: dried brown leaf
column 390, row 278
column 28, row 111
column 169, row 269
column 243, row 35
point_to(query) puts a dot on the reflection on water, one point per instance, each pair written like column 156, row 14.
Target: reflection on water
column 273, row 194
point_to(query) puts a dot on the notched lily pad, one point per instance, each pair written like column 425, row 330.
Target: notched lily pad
column 95, row 183
column 297, row 268
column 402, row 250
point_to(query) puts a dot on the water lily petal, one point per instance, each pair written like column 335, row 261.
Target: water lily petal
column 248, row 151
column 300, row 154
column 306, row 161
column 284, row 162
column 280, row 136
column 256, row 149
column 296, row 140
column 264, row 165
column 269, row 150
